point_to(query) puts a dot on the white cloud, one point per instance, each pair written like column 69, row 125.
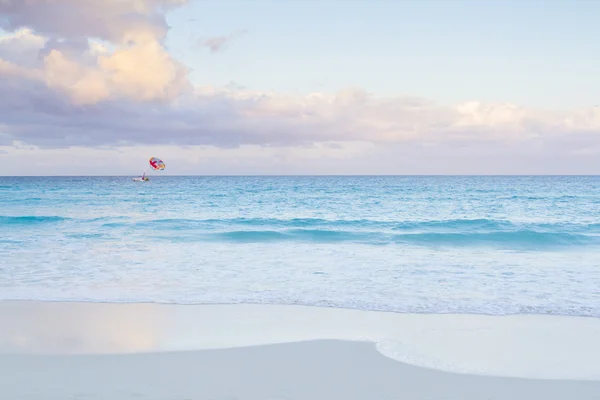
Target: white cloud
column 57, row 45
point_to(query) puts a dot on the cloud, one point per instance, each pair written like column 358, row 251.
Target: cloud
column 38, row 113
column 116, row 21
column 218, row 43
column 103, row 80
column 66, row 47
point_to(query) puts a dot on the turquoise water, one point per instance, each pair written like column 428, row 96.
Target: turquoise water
column 493, row 245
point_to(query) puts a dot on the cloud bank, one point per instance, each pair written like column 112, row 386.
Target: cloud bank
column 85, row 73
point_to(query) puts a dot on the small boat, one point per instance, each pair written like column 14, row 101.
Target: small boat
column 142, row 178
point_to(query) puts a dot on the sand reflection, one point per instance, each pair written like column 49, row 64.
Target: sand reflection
column 75, row 328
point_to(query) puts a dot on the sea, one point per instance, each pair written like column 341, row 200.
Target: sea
column 494, row 245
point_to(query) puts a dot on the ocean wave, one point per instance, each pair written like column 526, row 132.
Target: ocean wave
column 523, row 238
column 52, row 219
column 513, row 239
column 312, row 235
column 450, row 232
column 456, row 225
column 29, row 220
column 22, row 200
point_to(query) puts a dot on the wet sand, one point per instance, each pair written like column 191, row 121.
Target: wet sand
column 147, row 351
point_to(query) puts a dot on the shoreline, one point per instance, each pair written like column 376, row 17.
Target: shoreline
column 309, row 370
column 298, row 305
column 519, row 346
column 127, row 351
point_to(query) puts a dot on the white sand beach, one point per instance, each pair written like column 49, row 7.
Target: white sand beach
column 150, row 351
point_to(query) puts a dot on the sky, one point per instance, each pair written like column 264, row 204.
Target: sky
column 245, row 87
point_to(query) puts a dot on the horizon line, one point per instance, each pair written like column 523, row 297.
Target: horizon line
column 297, row 175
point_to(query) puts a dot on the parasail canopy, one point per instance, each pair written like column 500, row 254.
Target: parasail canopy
column 157, row 164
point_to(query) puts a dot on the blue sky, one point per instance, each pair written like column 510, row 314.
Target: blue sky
column 315, row 87
column 534, row 53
